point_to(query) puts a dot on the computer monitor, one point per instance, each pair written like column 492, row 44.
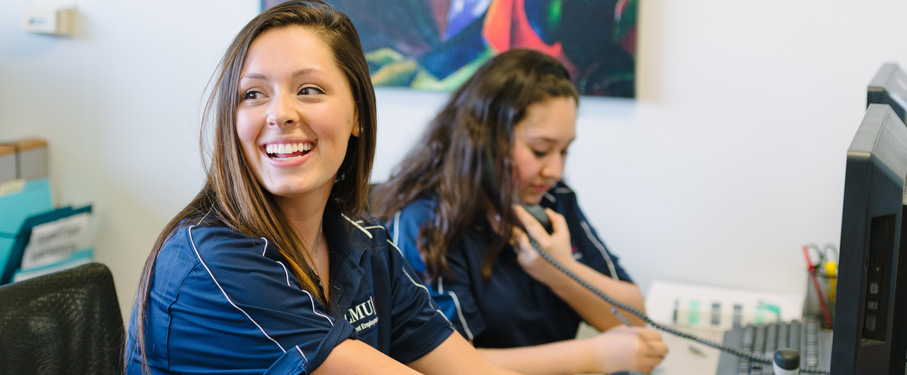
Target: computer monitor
column 889, row 86
column 870, row 326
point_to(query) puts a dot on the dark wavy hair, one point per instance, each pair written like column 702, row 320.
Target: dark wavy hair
column 232, row 196
column 464, row 159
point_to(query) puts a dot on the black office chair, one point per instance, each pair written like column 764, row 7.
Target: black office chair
column 66, row 322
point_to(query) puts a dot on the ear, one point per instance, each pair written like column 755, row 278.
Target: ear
column 357, row 127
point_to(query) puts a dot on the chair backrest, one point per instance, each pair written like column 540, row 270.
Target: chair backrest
column 66, row 322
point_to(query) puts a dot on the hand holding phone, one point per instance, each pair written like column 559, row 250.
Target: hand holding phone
column 538, row 212
column 554, row 240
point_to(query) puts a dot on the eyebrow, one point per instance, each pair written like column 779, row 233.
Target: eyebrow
column 550, row 140
column 297, row 73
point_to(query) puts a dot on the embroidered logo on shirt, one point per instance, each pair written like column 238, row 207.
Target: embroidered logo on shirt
column 364, row 312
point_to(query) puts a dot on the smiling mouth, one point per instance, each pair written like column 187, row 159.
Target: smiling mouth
column 287, row 151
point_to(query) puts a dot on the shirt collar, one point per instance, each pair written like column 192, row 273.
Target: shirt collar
column 348, row 242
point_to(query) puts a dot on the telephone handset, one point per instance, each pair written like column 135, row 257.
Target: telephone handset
column 538, row 212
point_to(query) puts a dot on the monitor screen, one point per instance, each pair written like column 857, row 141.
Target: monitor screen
column 889, row 86
column 870, row 326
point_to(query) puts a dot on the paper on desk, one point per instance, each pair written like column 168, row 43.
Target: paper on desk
column 55, row 241
column 720, row 308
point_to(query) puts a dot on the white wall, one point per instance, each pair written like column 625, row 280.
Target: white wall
column 729, row 160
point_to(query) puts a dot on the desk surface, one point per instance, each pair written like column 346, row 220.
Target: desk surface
column 690, row 357
column 681, row 359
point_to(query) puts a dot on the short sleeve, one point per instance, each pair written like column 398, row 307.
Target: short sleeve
column 453, row 293
column 457, row 289
column 236, row 308
column 595, row 253
column 404, row 230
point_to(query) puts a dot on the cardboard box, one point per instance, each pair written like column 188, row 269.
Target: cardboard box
column 29, row 158
column 32, row 158
column 7, row 163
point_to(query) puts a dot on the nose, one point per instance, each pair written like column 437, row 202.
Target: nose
column 553, row 168
column 282, row 111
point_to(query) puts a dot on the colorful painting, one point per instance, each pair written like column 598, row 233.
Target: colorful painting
column 437, row 44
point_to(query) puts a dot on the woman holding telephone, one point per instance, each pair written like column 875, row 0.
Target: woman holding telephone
column 457, row 210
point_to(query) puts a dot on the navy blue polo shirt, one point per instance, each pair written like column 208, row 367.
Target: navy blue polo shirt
column 511, row 309
column 223, row 302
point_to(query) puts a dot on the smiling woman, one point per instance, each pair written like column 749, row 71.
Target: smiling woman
column 273, row 267
column 295, row 101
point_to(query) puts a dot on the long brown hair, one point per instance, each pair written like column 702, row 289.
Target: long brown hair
column 464, row 159
column 232, row 195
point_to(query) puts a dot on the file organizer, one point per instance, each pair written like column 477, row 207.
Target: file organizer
column 33, row 199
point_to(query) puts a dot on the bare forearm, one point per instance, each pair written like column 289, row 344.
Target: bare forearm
column 563, row 357
column 356, row 357
column 589, row 305
column 456, row 356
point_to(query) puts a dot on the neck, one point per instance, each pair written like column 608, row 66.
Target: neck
column 305, row 215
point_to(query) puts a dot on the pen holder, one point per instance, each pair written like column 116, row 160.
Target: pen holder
column 821, row 283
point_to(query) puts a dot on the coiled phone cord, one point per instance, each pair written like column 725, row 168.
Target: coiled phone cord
column 737, row 352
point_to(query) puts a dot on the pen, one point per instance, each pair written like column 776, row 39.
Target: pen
column 620, row 316
column 696, row 351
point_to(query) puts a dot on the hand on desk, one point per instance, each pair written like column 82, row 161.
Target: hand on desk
column 628, row 348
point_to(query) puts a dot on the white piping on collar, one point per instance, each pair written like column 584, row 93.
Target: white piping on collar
column 367, row 233
column 395, row 247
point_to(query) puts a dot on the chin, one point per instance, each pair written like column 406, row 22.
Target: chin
column 531, row 199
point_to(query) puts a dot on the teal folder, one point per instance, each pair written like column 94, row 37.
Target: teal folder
column 14, row 260
column 34, row 198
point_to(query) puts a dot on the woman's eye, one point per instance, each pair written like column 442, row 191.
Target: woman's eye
column 251, row 95
column 539, row 154
column 310, row 91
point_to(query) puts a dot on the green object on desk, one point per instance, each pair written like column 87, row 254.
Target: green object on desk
column 694, row 313
column 762, row 307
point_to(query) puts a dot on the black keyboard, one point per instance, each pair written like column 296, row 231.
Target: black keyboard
column 813, row 343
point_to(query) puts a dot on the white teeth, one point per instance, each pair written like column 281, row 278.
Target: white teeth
column 288, row 148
